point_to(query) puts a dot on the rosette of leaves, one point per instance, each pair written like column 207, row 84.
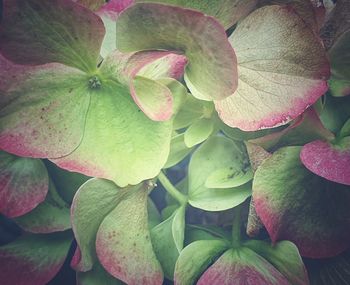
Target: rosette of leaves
column 93, row 87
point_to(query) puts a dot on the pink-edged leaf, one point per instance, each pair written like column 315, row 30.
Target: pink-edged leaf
column 227, row 12
column 296, row 205
column 152, row 97
column 123, row 242
column 93, row 201
column 121, row 154
column 33, row 259
column 302, row 130
column 282, row 66
column 51, row 103
column 24, row 183
column 195, row 258
column 327, row 160
column 37, row 32
column 242, row 267
column 112, row 114
column 52, row 215
column 284, row 256
column 113, row 8
column 311, row 12
column 209, row 74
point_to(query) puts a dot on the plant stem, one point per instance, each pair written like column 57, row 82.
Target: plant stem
column 170, row 188
column 236, row 227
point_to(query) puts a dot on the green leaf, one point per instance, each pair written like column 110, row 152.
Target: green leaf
column 284, row 256
column 52, row 103
column 93, row 201
column 191, row 111
column 125, row 137
column 36, row 32
column 153, row 98
column 198, row 132
column 289, row 199
column 24, row 183
column 151, row 26
column 195, row 258
column 67, row 183
column 340, row 60
column 282, row 67
column 345, row 130
column 216, row 153
column 245, row 267
column 228, row 12
column 33, row 259
column 154, row 217
column 178, row 150
column 228, row 178
column 168, row 239
column 123, row 242
column 52, row 215
column 97, row 276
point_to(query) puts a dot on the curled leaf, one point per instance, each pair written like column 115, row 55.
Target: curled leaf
column 209, row 74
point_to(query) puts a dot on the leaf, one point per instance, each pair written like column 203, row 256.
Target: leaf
column 153, row 214
column 24, row 183
column 153, row 98
column 52, row 103
column 93, row 201
column 311, row 13
column 191, row 111
column 289, row 199
column 209, row 74
column 33, row 259
column 245, row 267
column 198, row 132
column 195, row 258
column 284, row 256
column 335, row 113
column 339, row 82
column 282, row 70
column 67, row 183
column 123, row 242
column 97, row 276
column 330, row 161
column 216, row 153
column 36, row 32
column 228, row 178
column 52, row 215
column 125, row 137
column 304, row 129
column 91, row 4
column 228, row 12
column 345, row 130
column 178, row 151
column 256, row 156
column 167, row 239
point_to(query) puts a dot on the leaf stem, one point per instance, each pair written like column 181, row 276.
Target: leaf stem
column 170, row 188
column 236, row 227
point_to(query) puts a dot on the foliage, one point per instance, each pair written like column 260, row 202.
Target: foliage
column 175, row 142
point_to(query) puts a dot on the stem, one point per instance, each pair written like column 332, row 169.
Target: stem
column 236, row 227
column 170, row 188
